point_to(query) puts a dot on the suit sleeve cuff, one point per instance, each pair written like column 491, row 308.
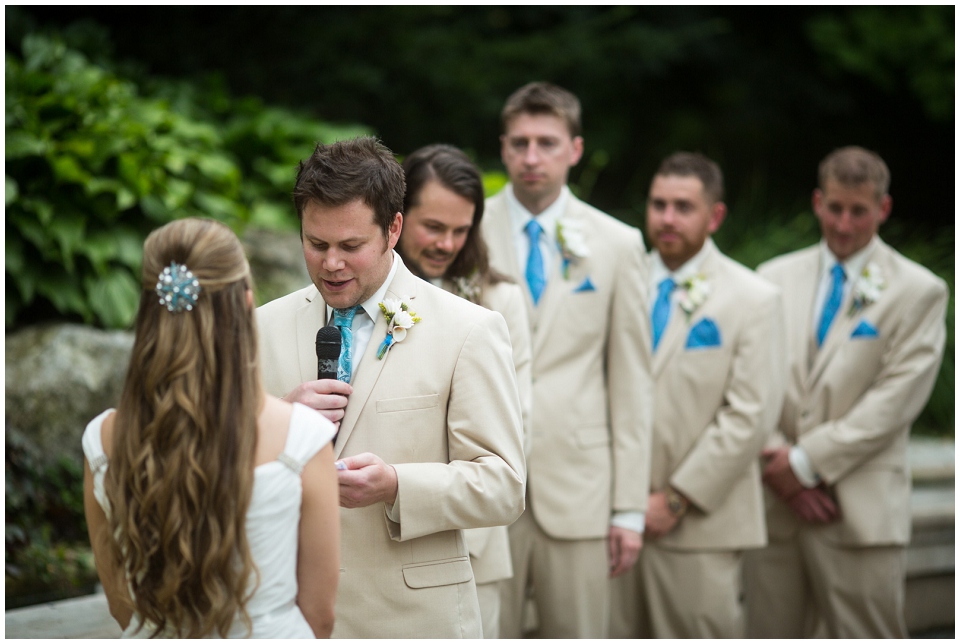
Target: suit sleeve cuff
column 802, row 467
column 628, row 521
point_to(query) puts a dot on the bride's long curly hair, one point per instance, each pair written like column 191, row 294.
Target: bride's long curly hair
column 181, row 473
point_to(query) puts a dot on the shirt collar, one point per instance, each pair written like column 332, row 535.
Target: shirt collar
column 659, row 270
column 371, row 306
column 853, row 266
column 547, row 219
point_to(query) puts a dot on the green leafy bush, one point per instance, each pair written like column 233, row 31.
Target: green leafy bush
column 92, row 167
column 94, row 163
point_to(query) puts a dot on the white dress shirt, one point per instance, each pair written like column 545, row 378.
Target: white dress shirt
column 853, row 266
column 520, row 217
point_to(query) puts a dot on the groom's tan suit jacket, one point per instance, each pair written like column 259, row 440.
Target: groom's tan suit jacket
column 592, row 390
column 850, row 404
column 442, row 408
column 716, row 405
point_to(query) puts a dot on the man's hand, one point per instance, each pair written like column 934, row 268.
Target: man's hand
column 624, row 549
column 778, row 475
column 366, row 480
column 329, row 397
column 658, row 520
column 814, row 505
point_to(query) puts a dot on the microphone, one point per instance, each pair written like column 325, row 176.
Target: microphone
column 328, row 352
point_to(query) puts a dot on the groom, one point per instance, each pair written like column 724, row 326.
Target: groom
column 429, row 415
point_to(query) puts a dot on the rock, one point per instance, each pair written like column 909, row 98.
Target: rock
column 276, row 261
column 58, row 378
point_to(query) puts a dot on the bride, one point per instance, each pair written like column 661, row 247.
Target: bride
column 212, row 508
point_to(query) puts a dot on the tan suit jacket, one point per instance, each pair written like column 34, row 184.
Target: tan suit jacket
column 592, row 390
column 441, row 408
column 715, row 406
column 490, row 547
column 850, row 404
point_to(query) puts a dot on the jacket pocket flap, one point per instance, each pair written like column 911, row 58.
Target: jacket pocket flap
column 438, row 573
column 408, row 404
column 592, row 437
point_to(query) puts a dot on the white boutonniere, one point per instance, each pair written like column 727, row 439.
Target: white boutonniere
column 570, row 240
column 468, row 287
column 867, row 288
column 399, row 320
column 693, row 293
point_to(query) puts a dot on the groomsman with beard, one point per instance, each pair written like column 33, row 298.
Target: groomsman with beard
column 718, row 373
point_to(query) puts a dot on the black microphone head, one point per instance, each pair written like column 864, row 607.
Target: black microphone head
column 328, row 352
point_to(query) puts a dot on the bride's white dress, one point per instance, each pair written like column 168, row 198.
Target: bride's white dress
column 272, row 524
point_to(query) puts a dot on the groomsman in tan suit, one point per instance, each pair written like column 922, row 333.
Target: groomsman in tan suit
column 865, row 336
column 717, row 366
column 584, row 277
column 441, row 243
column 429, row 439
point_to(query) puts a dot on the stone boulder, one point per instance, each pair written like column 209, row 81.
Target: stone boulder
column 276, row 261
column 58, row 378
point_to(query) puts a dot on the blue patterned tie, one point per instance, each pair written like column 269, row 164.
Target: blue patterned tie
column 536, row 279
column 661, row 309
column 832, row 305
column 343, row 320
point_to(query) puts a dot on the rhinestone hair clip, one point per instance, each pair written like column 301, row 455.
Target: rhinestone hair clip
column 178, row 288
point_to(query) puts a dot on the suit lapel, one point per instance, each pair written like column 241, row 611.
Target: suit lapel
column 679, row 324
column 502, row 246
column 840, row 330
column 309, row 320
column 559, row 290
column 369, row 368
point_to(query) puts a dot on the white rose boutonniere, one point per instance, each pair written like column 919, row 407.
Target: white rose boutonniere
column 868, row 287
column 399, row 320
column 570, row 240
column 693, row 293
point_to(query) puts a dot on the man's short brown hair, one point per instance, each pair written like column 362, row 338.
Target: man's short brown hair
column 340, row 173
column 543, row 98
column 855, row 166
column 694, row 164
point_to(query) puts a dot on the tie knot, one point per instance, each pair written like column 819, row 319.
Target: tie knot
column 344, row 317
column 838, row 273
column 666, row 286
column 533, row 229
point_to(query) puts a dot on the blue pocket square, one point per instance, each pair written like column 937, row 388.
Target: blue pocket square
column 865, row 330
column 704, row 335
column 586, row 286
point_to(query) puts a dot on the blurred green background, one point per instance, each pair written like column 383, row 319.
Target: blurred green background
column 119, row 119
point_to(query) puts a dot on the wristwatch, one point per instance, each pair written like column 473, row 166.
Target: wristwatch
column 676, row 504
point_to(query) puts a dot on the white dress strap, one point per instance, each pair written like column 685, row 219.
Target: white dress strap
column 308, row 433
column 93, row 444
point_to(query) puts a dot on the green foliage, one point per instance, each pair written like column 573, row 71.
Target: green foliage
column 94, row 162
column 92, row 167
column 46, row 554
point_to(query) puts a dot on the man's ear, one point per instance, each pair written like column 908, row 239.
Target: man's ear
column 886, row 206
column 393, row 233
column 717, row 214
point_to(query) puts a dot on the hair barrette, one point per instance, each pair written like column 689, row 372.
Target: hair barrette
column 178, row 288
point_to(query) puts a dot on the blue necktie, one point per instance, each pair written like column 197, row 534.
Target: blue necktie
column 343, row 320
column 536, row 279
column 661, row 309
column 832, row 305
